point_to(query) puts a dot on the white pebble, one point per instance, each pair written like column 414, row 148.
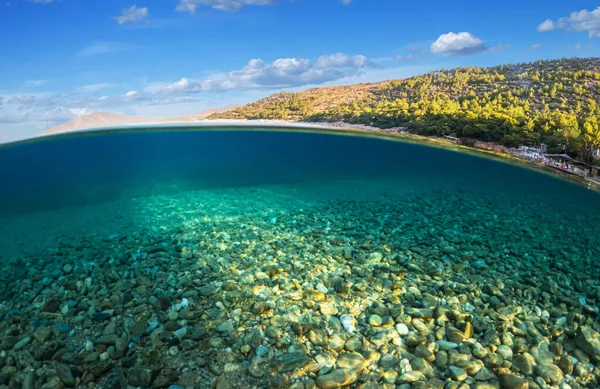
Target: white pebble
column 402, row 329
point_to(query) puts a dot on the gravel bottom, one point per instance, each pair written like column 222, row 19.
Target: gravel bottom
column 303, row 287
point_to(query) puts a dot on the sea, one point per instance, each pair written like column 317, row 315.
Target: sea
column 268, row 257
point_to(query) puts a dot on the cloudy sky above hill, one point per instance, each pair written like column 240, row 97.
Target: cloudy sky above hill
column 65, row 58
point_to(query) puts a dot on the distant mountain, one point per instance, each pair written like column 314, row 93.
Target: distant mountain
column 102, row 119
column 202, row 115
column 99, row 119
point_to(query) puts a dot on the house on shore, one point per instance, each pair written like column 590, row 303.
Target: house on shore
column 567, row 164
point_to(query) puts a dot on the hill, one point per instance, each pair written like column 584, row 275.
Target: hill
column 99, row 119
column 554, row 102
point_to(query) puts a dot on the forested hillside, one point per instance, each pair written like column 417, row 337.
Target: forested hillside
column 555, row 102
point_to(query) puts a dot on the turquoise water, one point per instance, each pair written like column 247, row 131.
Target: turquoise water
column 265, row 258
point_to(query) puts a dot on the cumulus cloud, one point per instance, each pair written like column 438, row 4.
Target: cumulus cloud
column 12, row 117
column 192, row 6
column 132, row 14
column 281, row 73
column 580, row 21
column 535, row 46
column 463, row 43
column 33, row 83
column 103, row 48
column 257, row 75
column 546, row 25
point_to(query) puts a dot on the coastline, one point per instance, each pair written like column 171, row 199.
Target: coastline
column 395, row 133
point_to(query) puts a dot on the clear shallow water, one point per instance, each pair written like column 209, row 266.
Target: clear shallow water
column 279, row 235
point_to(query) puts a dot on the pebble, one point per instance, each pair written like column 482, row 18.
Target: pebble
column 505, row 352
column 375, row 320
column 551, row 374
column 337, row 379
column 353, row 361
column 402, row 329
column 457, row 373
column 226, row 326
column 291, row 361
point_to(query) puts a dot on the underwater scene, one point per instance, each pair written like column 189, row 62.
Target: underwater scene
column 286, row 258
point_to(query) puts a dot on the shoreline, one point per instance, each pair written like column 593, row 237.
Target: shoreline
column 401, row 133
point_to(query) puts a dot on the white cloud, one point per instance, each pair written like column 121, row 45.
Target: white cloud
column 580, row 47
column 192, row 6
column 12, row 117
column 103, row 48
column 33, row 83
column 43, row 110
column 346, row 2
column 92, row 88
column 132, row 14
column 583, row 20
column 21, row 100
column 281, row 73
column 463, row 43
column 546, row 25
column 535, row 46
column 40, row 1
column 340, row 60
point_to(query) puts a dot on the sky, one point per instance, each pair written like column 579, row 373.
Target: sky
column 63, row 58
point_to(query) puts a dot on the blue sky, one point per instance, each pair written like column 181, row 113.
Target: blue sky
column 161, row 58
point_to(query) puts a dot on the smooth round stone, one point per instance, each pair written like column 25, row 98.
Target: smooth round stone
column 291, row 361
column 445, row 345
column 484, row 375
column 524, row 364
column 353, row 361
column 484, row 385
column 420, row 326
column 479, row 351
column 375, row 321
column 390, row 376
column 511, row 381
column 402, row 329
column 173, row 315
column 419, row 364
column 317, row 337
column 354, row 344
column 327, row 308
column 505, row 352
column 388, row 362
column 226, row 326
column 457, row 373
column 337, row 379
column 551, row 374
column 336, row 342
column 411, row 376
column 441, row 359
column 262, row 350
column 472, row 367
column 422, row 351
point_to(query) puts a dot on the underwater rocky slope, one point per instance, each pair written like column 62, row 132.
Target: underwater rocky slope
column 422, row 290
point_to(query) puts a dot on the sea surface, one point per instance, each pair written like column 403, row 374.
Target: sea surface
column 276, row 258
